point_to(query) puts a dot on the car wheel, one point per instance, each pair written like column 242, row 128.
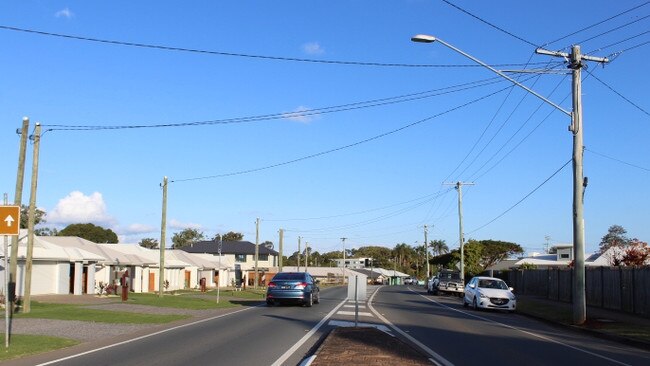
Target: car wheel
column 475, row 304
column 465, row 304
column 317, row 300
column 310, row 301
column 269, row 303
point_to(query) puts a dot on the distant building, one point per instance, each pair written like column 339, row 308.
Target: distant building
column 354, row 263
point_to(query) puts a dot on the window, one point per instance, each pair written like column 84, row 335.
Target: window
column 263, row 257
column 240, row 257
column 564, row 255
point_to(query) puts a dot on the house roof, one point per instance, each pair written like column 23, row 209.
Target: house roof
column 147, row 256
column 44, row 250
column 196, row 260
column 227, row 247
column 319, row 271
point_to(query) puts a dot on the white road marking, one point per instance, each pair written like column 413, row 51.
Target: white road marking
column 525, row 331
column 361, row 313
column 304, row 339
column 351, row 306
column 347, row 324
column 144, row 336
column 435, row 358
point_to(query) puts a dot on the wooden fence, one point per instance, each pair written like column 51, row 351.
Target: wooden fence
column 618, row 288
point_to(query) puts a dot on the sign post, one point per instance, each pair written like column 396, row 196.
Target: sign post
column 10, row 225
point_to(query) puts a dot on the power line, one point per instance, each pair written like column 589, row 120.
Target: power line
column 596, row 24
column 521, row 200
column 302, row 113
column 490, row 24
column 433, row 195
column 376, row 137
column 612, row 30
column 618, row 42
column 233, row 54
column 617, row 160
column 619, row 94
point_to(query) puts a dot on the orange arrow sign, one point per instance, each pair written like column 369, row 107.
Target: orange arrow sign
column 9, row 220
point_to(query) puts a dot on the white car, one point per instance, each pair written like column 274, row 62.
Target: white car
column 489, row 293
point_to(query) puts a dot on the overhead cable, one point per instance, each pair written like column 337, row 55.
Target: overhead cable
column 523, row 199
column 234, row 54
column 596, row 24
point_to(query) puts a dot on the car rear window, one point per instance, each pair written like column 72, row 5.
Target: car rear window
column 289, row 276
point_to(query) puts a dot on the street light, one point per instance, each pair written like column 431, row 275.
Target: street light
column 579, row 182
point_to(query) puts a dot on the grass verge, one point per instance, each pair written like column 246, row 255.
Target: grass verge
column 79, row 312
column 184, row 300
column 24, row 345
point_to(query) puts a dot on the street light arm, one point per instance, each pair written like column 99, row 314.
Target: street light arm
column 430, row 39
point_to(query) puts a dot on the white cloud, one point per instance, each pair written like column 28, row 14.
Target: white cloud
column 297, row 116
column 139, row 229
column 65, row 13
column 78, row 208
column 313, row 48
column 177, row 225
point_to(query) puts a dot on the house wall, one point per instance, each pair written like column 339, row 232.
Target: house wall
column 48, row 278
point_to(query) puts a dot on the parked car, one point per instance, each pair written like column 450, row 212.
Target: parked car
column 410, row 281
column 489, row 293
column 293, row 287
column 448, row 282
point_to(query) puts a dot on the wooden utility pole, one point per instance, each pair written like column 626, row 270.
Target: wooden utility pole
column 343, row 243
column 579, row 181
column 299, row 253
column 30, row 222
column 257, row 248
column 20, row 176
column 280, row 250
column 306, row 255
column 426, row 250
column 163, row 235
column 461, row 239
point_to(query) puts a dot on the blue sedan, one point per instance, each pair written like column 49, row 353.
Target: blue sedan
column 296, row 287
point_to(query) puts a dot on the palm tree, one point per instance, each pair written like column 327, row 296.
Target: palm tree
column 439, row 247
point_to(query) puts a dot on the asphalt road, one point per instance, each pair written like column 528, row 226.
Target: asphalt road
column 285, row 335
column 461, row 336
column 257, row 335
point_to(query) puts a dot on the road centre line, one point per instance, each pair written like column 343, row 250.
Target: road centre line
column 306, row 337
column 145, row 336
column 523, row 331
column 435, row 358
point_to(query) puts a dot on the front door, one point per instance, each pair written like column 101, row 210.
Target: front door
column 152, row 282
column 188, row 275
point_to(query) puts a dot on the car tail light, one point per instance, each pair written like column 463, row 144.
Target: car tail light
column 301, row 285
column 272, row 285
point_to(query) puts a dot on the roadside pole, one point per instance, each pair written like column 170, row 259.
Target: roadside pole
column 27, row 295
column 163, row 234
column 9, row 226
column 219, row 281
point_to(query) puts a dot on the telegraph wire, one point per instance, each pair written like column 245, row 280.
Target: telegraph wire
column 523, row 199
column 302, row 113
column 613, row 30
column 619, row 42
column 490, row 24
column 376, row 137
column 596, row 24
column 617, row 160
column 619, row 94
column 234, row 54
column 433, row 195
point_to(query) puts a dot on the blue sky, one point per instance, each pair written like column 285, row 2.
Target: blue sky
column 372, row 172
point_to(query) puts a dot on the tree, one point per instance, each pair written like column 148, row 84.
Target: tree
column 615, row 237
column 96, row 234
column 233, row 236
column 39, row 216
column 481, row 254
column 149, row 243
column 637, row 253
column 381, row 256
column 438, row 247
column 46, row 231
column 186, row 237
